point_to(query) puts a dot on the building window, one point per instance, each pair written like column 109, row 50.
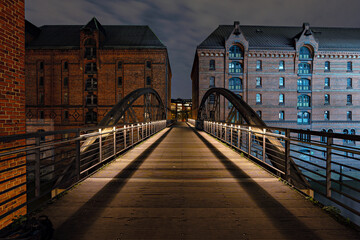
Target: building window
column 258, row 82
column 90, row 68
column 230, row 105
column 281, row 82
column 212, row 99
column 148, row 64
column 119, row 81
column 304, row 53
column 303, row 84
column 91, row 84
column 235, row 84
column 303, row 101
column 352, row 132
column 119, row 65
column 66, row 98
column 41, row 98
column 66, row 66
column 258, row 98
column 212, row 82
column 90, row 48
column 41, row 81
column 212, row 65
column 91, row 99
column 304, row 68
column 327, row 66
column 259, row 113
column 327, row 83
column 235, row 67
column 281, row 98
column 349, row 83
column 148, row 80
column 42, row 137
column 303, row 118
column 349, row 67
column 349, row 115
column 66, row 115
column 66, row 81
column 326, row 99
column 327, row 115
column 349, row 99
column 281, row 66
column 41, row 65
column 323, row 138
column 235, row 52
column 345, row 131
column 91, row 117
column 42, row 115
column 281, row 115
column 258, row 65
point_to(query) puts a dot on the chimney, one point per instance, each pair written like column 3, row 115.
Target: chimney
column 237, row 28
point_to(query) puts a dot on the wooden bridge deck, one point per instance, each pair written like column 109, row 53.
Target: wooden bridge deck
column 183, row 184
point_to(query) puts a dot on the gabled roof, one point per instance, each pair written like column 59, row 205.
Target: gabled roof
column 116, row 36
column 270, row 37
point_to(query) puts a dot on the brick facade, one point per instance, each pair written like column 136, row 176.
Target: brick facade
column 60, row 75
column 12, row 107
column 270, row 73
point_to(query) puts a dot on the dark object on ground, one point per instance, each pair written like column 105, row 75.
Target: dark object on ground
column 39, row 228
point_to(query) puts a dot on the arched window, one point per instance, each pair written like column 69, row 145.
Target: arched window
column 327, row 115
column 90, row 48
column 259, row 113
column 281, row 115
column 349, row 115
column 349, row 83
column 235, row 67
column 327, row 66
column 304, row 68
column 323, row 138
column 303, row 118
column 235, row 52
column 91, row 117
column 345, row 131
column 91, row 84
column 303, row 101
column 327, row 83
column 281, row 98
column 326, row 99
column 281, row 66
column 305, row 53
column 212, row 65
column 91, row 99
column 349, row 99
column 235, row 84
column 352, row 132
column 258, row 98
column 349, row 67
column 303, row 84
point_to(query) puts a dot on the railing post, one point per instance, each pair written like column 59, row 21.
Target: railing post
column 239, row 137
column 287, row 155
column 328, row 166
column 138, row 132
column 100, row 145
column 132, row 134
column 77, row 157
column 264, row 145
column 125, row 145
column 225, row 134
column 114, row 129
column 231, row 134
column 249, row 143
column 37, row 167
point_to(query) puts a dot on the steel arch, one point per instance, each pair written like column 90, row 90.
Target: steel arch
column 277, row 151
column 119, row 110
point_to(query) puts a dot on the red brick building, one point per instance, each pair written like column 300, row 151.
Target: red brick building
column 12, row 108
column 75, row 74
column 296, row 77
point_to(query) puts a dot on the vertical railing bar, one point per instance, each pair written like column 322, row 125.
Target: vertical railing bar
column 287, row 155
column 78, row 156
column 328, row 166
column 100, row 145
column 264, row 145
column 37, row 167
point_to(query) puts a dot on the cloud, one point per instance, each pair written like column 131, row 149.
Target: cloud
column 183, row 24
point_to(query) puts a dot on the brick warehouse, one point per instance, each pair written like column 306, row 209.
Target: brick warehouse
column 12, row 107
column 76, row 74
column 295, row 77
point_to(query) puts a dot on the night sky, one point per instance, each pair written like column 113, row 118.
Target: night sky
column 183, row 24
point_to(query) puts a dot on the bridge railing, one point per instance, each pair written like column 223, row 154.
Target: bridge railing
column 57, row 160
column 330, row 162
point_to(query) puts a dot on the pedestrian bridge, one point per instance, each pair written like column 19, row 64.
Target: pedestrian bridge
column 185, row 184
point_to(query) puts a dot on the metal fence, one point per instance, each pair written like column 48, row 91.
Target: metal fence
column 57, row 160
column 329, row 163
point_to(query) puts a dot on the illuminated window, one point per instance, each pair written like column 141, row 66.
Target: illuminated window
column 281, row 82
column 258, row 98
column 304, row 53
column 303, row 101
column 235, row 52
column 281, row 66
column 326, row 99
column 327, row 83
column 327, row 115
column 281, row 98
column 281, row 115
column 258, row 82
column 235, row 84
column 304, row 68
column 327, row 66
column 258, row 65
column 235, row 67
column 303, row 84
column 303, row 118
column 349, row 115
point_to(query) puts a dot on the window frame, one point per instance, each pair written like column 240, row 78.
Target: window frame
column 258, row 65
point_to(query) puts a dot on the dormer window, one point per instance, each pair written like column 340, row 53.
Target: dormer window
column 304, row 53
column 235, row 52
